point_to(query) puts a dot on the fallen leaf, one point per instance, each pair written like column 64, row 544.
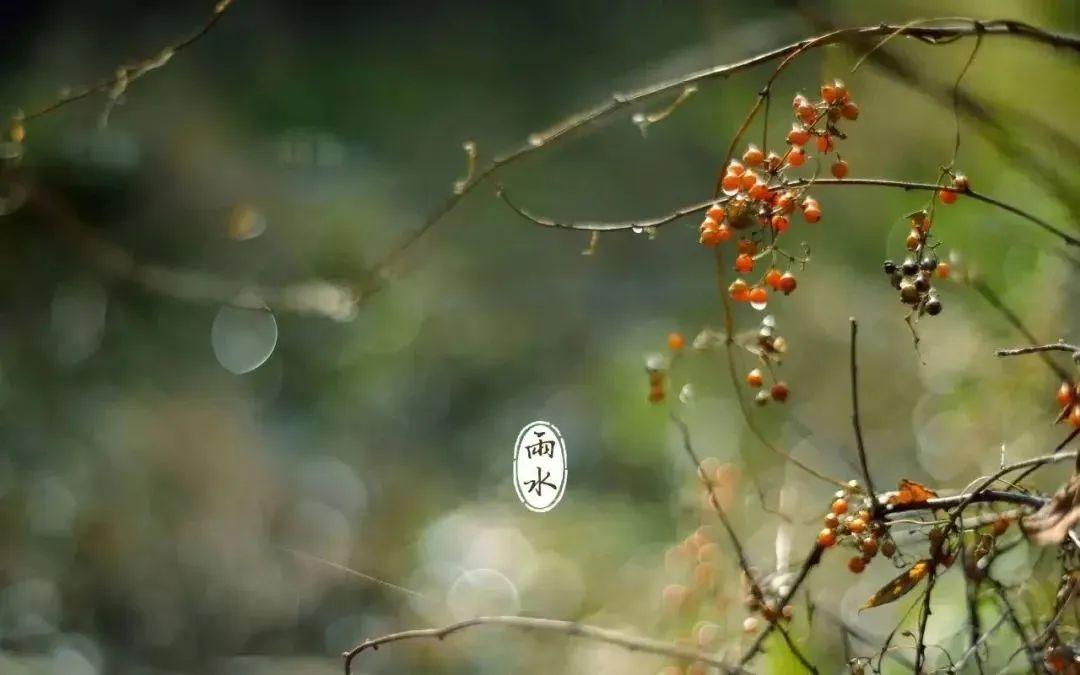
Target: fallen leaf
column 901, row 585
column 910, row 492
column 1051, row 524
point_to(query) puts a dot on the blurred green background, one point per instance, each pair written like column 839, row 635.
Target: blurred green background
column 178, row 480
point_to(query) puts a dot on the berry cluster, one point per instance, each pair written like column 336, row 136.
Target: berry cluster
column 1068, row 397
column 770, row 348
column 658, row 365
column 868, row 536
column 759, row 202
column 913, row 276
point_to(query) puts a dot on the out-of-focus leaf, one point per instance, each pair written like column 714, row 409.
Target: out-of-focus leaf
column 1051, row 524
column 901, row 585
column 910, row 492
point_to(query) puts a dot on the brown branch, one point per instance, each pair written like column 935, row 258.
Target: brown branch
column 1055, row 347
column 384, row 270
column 991, row 297
column 569, row 628
column 875, row 506
column 125, row 75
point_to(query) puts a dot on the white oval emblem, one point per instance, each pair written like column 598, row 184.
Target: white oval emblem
column 540, row 466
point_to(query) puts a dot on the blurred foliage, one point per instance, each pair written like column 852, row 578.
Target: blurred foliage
column 159, row 512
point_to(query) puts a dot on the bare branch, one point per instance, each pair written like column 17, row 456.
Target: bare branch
column 856, row 424
column 569, row 628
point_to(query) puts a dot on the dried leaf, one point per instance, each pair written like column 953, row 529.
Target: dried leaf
column 901, row 585
column 1051, row 524
column 910, row 492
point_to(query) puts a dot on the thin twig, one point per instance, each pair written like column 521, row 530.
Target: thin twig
column 857, row 425
column 127, row 74
column 384, row 270
column 569, row 628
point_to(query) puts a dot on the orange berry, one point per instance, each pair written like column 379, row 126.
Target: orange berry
column 946, row 196
column 675, row 341
column 730, row 183
column 829, row 93
column 913, row 240
column 888, row 548
column 785, row 202
column 831, row 520
column 824, row 143
column 772, row 278
column 799, row 101
column 1074, row 416
column 758, row 295
column 710, row 236
column 724, row 233
column 744, row 263
column 850, row 110
column 799, row 135
column 806, row 113
column 840, row 169
column 656, row 394
column 943, row 270
column 857, row 525
column 707, row 224
column 826, row 538
column 735, row 168
column 755, row 378
column 1066, row 394
column 841, row 90
column 812, row 213
column 753, row 156
column 739, row 291
column 748, row 180
column 716, row 212
column 839, row 507
column 779, row 391
column 856, row 565
column 796, row 157
column 788, row 283
column 780, row 223
column 760, row 191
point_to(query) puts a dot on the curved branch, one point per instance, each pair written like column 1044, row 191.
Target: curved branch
column 126, row 74
column 569, row 628
column 607, row 226
column 380, row 273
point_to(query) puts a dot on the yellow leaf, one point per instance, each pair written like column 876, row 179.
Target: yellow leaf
column 901, row 585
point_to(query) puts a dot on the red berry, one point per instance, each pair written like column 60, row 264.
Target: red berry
column 780, row 223
column 744, row 263
column 735, row 168
column 850, row 111
column 946, row 196
column 829, row 93
column 1066, row 394
column 788, row 283
column 779, row 391
column 856, row 565
column 724, row 233
column 675, row 342
column 824, row 143
column 758, row 295
column 840, row 169
column 772, row 278
column 1074, row 416
column 796, row 157
column 839, row 507
column 730, row 183
column 716, row 212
